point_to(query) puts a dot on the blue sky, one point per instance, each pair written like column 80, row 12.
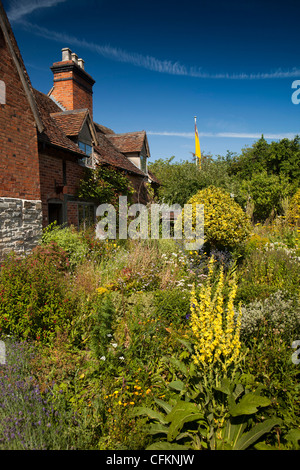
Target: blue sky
column 158, row 64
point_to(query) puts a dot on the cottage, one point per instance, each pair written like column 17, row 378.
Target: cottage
column 47, row 141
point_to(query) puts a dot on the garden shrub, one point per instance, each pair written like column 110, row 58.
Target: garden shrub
column 101, row 331
column 266, row 192
column 293, row 212
column 225, row 223
column 172, row 305
column 265, row 271
column 69, row 239
column 33, row 305
column 278, row 313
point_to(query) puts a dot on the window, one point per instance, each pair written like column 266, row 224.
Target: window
column 2, row 92
column 86, row 148
column 86, row 216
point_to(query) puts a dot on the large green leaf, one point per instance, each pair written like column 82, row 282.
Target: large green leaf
column 248, row 405
column 183, row 412
column 158, row 428
column 293, row 436
column 232, row 432
column 255, row 433
column 177, row 385
column 163, row 404
column 152, row 414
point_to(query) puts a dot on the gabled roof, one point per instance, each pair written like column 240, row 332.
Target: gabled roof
column 70, row 122
column 19, row 64
column 52, row 133
column 128, row 142
column 106, row 153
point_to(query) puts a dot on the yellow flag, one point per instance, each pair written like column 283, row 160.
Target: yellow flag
column 197, row 147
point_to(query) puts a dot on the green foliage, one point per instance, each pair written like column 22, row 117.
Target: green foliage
column 102, row 327
column 203, row 415
column 172, row 305
column 266, row 271
column 68, row 239
column 31, row 290
column 293, row 212
column 225, row 223
column 277, row 158
column 266, row 191
column 181, row 180
column 117, row 336
column 104, row 185
column 278, row 313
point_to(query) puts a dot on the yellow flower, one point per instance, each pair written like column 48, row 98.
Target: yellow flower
column 215, row 329
column 102, row 290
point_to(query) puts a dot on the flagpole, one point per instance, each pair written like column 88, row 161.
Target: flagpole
column 196, row 159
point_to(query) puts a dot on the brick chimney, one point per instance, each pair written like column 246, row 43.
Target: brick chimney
column 72, row 85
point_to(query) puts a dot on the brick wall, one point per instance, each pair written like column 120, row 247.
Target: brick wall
column 52, row 181
column 141, row 195
column 19, row 170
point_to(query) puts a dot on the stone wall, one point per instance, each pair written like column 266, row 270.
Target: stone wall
column 20, row 225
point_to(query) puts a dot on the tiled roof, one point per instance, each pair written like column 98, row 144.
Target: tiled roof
column 58, row 125
column 106, row 153
column 52, row 133
column 70, row 122
column 129, row 142
column 103, row 129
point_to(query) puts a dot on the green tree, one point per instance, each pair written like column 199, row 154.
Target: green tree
column 266, row 191
column 181, row 180
column 278, row 158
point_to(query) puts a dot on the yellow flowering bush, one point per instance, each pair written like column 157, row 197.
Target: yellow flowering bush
column 293, row 212
column 215, row 329
column 225, row 223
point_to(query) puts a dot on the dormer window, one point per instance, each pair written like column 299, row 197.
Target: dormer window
column 86, row 148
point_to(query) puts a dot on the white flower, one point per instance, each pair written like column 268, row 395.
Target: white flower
column 114, row 345
column 102, row 358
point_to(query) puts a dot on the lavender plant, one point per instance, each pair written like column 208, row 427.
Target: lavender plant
column 30, row 420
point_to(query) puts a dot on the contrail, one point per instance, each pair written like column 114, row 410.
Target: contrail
column 19, row 10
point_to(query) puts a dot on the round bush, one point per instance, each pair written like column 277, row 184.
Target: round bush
column 225, row 223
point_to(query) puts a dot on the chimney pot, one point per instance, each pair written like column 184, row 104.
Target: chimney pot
column 75, row 58
column 66, row 54
column 81, row 63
